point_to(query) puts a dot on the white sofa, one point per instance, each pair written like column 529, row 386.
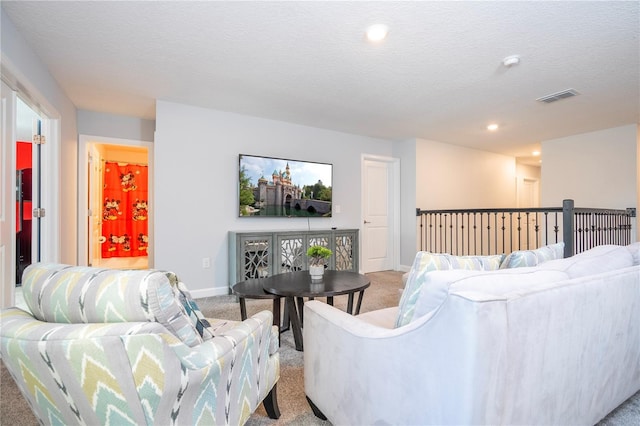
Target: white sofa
column 555, row 344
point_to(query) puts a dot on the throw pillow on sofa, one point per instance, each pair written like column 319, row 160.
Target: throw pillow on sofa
column 425, row 262
column 522, row 258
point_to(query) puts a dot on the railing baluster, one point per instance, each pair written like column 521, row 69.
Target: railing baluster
column 463, row 231
column 469, row 232
column 495, row 230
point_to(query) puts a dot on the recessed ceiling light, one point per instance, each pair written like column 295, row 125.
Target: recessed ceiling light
column 535, row 153
column 492, row 127
column 378, row 32
column 510, row 61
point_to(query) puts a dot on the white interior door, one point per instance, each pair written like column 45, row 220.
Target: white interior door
column 529, row 196
column 7, row 196
column 378, row 236
column 528, row 192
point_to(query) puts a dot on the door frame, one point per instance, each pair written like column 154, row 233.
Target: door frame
column 50, row 247
column 394, row 203
column 8, row 197
column 84, row 143
column 520, row 189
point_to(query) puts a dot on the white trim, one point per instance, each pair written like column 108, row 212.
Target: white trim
column 83, row 201
column 27, row 91
column 209, row 292
column 8, row 197
column 50, row 243
column 50, row 167
column 395, row 204
column 404, row 268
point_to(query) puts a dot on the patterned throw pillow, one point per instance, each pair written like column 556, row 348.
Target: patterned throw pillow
column 477, row 263
column 202, row 325
column 521, row 258
column 426, row 262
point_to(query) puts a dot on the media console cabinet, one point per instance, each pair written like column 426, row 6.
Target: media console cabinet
column 266, row 253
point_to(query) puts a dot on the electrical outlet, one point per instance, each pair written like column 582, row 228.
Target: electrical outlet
column 206, row 262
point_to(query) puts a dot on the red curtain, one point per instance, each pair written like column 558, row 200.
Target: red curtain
column 24, row 161
column 125, row 229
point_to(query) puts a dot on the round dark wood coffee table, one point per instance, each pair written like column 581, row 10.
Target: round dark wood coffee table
column 297, row 285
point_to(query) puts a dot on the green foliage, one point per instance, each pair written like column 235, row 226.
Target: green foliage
column 318, row 191
column 246, row 192
column 324, row 194
column 318, row 255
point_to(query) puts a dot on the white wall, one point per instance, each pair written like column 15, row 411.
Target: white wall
column 406, row 151
column 455, row 177
column 20, row 64
column 196, row 176
column 527, row 171
column 115, row 126
column 438, row 175
column 597, row 169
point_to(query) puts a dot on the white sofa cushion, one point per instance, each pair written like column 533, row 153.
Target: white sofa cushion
column 522, row 258
column 438, row 285
column 426, row 262
column 634, row 249
column 492, row 285
column 385, row 318
column 593, row 261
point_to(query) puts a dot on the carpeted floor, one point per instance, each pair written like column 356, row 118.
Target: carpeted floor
column 384, row 292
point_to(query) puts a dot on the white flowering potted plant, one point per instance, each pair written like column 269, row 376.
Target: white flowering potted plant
column 318, row 256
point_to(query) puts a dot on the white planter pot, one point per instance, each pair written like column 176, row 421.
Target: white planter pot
column 316, row 273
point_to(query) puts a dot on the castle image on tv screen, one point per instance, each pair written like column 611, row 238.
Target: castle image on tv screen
column 279, row 187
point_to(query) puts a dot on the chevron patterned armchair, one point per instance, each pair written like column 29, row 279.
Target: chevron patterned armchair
column 118, row 347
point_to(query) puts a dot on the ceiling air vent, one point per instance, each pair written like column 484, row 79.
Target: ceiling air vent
column 569, row 93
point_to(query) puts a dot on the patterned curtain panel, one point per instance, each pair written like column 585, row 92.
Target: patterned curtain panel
column 125, row 210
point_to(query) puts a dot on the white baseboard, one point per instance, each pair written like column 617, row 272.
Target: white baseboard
column 404, row 268
column 209, row 292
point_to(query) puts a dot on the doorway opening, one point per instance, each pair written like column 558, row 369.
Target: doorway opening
column 28, row 172
column 115, row 187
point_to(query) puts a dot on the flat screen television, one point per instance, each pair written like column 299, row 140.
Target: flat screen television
column 280, row 187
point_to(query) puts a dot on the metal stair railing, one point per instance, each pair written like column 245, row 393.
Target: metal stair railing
column 496, row 231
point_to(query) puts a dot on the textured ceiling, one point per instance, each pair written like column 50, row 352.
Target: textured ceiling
column 438, row 76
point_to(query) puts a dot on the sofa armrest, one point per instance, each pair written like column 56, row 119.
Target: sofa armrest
column 354, row 325
column 360, row 373
column 347, row 362
column 243, row 357
column 253, row 336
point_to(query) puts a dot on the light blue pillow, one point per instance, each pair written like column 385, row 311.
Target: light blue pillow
column 522, row 258
column 422, row 263
column 426, row 262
